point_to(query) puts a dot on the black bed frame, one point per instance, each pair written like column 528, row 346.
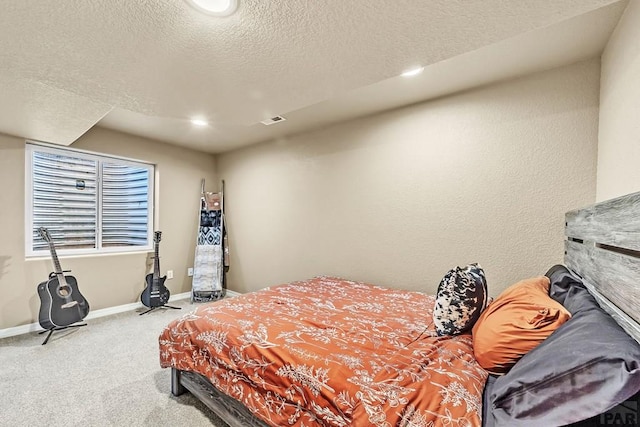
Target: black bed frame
column 602, row 246
column 228, row 409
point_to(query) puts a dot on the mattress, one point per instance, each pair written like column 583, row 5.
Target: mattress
column 328, row 351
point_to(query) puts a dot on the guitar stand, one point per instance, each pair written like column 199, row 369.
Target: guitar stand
column 58, row 328
column 160, row 306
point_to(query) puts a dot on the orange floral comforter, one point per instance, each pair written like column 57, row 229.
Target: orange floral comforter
column 332, row 352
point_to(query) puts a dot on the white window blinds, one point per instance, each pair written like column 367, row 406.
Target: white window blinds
column 125, row 210
column 88, row 203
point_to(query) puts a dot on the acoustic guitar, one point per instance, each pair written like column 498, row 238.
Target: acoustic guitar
column 61, row 303
column 155, row 294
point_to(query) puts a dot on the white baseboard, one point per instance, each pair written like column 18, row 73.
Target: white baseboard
column 233, row 294
column 19, row 330
column 35, row 327
column 128, row 307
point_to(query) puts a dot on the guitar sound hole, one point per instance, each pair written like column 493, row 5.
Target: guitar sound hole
column 64, row 291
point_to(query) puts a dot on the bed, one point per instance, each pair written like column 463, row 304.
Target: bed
column 329, row 351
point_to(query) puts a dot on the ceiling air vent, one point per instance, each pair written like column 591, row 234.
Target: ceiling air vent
column 273, row 120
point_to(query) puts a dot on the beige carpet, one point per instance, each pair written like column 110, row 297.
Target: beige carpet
column 103, row 374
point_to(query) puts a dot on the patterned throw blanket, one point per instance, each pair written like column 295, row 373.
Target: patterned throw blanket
column 208, row 261
column 331, row 352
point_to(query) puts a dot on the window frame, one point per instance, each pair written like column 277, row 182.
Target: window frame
column 32, row 146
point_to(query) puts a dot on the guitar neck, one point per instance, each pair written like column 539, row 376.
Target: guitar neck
column 56, row 263
column 156, row 263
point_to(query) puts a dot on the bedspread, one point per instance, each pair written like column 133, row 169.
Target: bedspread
column 328, row 351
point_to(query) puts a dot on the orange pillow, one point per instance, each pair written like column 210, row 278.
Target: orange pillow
column 517, row 321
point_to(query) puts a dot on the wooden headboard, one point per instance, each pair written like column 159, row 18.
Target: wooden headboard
column 603, row 247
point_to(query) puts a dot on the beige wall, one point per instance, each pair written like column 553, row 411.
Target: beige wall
column 399, row 198
column 619, row 131
column 107, row 280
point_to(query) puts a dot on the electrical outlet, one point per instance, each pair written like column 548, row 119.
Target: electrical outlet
column 169, row 274
column 189, row 271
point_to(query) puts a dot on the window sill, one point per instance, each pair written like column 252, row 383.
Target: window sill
column 94, row 255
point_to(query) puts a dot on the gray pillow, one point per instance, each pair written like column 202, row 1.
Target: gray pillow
column 461, row 297
column 587, row 366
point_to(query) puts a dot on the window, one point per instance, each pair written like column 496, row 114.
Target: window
column 89, row 203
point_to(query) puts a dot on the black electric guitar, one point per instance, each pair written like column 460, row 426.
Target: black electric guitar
column 61, row 303
column 156, row 293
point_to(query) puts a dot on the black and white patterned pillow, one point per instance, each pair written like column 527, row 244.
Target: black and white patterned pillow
column 461, row 297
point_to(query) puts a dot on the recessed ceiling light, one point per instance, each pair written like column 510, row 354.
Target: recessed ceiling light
column 413, row 72
column 199, row 122
column 215, row 7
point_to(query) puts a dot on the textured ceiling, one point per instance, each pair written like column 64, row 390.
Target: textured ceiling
column 146, row 66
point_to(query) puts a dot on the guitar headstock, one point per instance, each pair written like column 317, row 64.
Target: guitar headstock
column 157, row 236
column 44, row 233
